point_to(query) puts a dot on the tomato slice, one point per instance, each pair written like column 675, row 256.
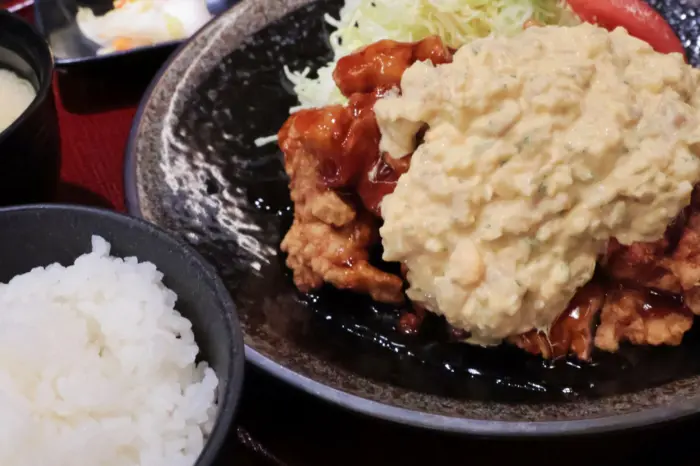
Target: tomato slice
column 639, row 18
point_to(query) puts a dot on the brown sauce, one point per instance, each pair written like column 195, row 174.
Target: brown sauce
column 381, row 65
column 350, row 155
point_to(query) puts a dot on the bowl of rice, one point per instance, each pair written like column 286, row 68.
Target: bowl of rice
column 119, row 344
column 29, row 132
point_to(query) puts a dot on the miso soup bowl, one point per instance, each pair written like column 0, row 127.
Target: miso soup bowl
column 30, row 147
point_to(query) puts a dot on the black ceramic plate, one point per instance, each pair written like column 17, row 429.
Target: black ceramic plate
column 56, row 20
column 193, row 168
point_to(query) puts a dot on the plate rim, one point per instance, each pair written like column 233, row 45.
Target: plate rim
column 404, row 416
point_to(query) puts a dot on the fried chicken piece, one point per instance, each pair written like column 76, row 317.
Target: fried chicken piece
column 534, row 342
column 328, row 240
column 572, row 333
column 691, row 298
column 382, row 64
column 685, row 261
column 337, row 148
column 312, row 199
column 642, row 263
column 318, row 253
column 411, row 321
column 628, row 316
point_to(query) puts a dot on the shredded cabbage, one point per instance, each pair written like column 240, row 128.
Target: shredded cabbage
column 457, row 22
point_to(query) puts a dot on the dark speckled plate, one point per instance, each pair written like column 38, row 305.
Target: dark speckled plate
column 192, row 167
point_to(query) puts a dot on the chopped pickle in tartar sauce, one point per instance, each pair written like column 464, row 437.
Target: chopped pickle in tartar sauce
column 540, row 148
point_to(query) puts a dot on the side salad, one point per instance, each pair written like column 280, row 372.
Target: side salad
column 138, row 23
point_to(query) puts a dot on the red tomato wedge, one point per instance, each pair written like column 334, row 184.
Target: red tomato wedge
column 640, row 20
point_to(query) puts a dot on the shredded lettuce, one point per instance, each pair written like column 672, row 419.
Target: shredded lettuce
column 457, row 22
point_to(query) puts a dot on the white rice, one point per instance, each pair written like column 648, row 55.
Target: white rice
column 98, row 368
column 16, row 94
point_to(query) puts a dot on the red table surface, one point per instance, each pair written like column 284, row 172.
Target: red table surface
column 93, row 151
column 92, row 144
